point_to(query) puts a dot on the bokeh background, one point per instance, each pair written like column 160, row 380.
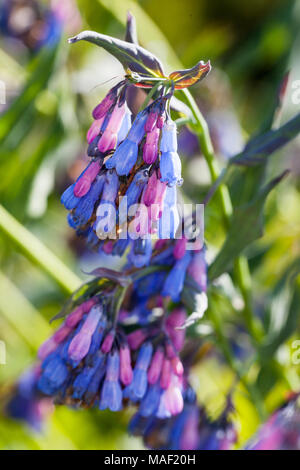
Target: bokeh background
column 51, row 88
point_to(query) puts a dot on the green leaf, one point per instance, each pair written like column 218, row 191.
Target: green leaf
column 259, row 148
column 245, row 227
column 39, row 76
column 83, row 293
column 133, row 57
column 284, row 312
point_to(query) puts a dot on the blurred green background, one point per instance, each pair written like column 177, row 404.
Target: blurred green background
column 50, row 93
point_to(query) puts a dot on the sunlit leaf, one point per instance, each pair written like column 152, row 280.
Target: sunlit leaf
column 246, row 226
column 133, row 57
column 187, row 77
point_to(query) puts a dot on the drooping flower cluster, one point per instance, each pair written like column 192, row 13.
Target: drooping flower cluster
column 92, row 361
column 106, row 358
column 282, row 430
column 131, row 180
column 191, row 429
column 26, row 404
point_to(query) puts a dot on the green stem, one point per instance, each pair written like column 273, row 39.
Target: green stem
column 242, row 269
column 241, row 263
column 37, row 252
column 149, row 95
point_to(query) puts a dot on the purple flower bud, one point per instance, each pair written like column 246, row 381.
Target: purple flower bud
column 102, row 108
column 165, row 378
column 84, row 183
column 108, row 342
column 180, row 248
column 151, row 119
column 198, row 269
column 156, row 366
column 150, row 150
column 94, row 130
column 126, row 373
column 80, row 344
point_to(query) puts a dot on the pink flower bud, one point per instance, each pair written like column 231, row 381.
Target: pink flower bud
column 84, row 183
column 198, row 270
column 80, row 344
column 150, row 151
column 173, row 399
column 165, row 378
column 74, row 318
column 105, row 105
column 177, row 366
column 175, row 320
column 108, row 247
column 151, row 120
column 160, row 121
column 180, row 248
column 108, row 141
column 94, row 130
column 108, row 342
column 155, row 366
column 46, row 348
column 126, row 373
column 62, row 333
column 136, row 338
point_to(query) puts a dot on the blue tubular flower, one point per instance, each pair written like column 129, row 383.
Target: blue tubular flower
column 169, row 221
column 141, row 251
column 170, row 168
column 133, row 194
column 83, row 379
column 175, row 280
column 126, row 153
column 124, row 157
column 85, row 207
column 68, row 199
column 26, row 404
column 106, row 211
column 125, row 127
column 150, row 402
column 120, row 247
column 137, row 130
column 55, row 374
column 169, row 137
column 111, row 395
column 138, row 387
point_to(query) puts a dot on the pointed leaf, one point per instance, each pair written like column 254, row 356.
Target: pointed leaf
column 246, row 226
column 259, row 148
column 188, row 77
column 133, row 57
column 131, row 32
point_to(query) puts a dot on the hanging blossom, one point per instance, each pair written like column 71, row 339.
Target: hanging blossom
column 107, row 358
column 131, row 179
column 282, row 430
column 25, row 403
column 191, row 429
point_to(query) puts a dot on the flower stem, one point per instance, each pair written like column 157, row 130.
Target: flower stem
column 242, row 271
column 241, row 264
column 37, row 252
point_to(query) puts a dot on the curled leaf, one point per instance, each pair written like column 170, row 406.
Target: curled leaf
column 187, row 77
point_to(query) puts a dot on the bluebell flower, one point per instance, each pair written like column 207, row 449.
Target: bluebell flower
column 170, row 168
column 111, row 395
column 175, row 280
